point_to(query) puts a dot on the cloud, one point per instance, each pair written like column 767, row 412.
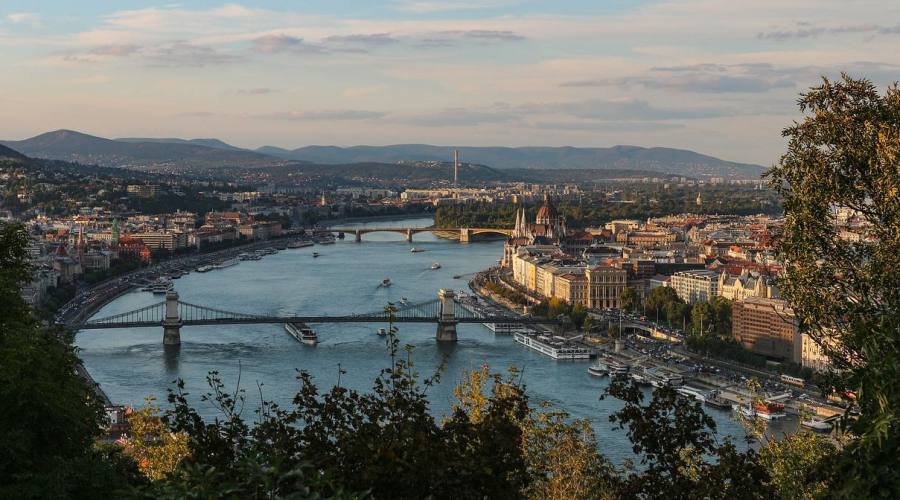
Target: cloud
column 32, row 18
column 186, row 54
column 607, row 126
column 326, row 115
column 121, row 50
column 372, row 39
column 196, row 114
column 449, row 38
column 460, row 117
column 434, row 6
column 258, row 91
column 626, row 109
column 703, row 78
column 807, row 30
column 281, row 43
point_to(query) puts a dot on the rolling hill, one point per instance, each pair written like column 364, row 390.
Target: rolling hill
column 191, row 154
column 660, row 160
column 74, row 146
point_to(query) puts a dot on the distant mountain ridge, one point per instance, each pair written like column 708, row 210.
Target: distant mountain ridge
column 661, row 160
column 8, row 153
column 188, row 154
column 209, row 143
column 70, row 145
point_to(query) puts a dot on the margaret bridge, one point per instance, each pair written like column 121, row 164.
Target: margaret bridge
column 446, row 311
column 465, row 233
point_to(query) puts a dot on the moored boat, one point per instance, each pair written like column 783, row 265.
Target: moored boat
column 160, row 286
column 814, row 424
column 717, row 401
column 598, row 369
column 769, row 410
column 226, row 263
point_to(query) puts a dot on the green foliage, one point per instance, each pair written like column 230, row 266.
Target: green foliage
column 555, row 307
column 49, row 416
column 726, row 348
column 712, row 318
column 846, row 295
column 630, row 299
column 794, row 463
column 508, row 294
column 594, row 209
column 674, row 439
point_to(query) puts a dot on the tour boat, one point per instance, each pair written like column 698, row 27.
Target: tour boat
column 599, row 369
column 161, row 286
column 436, row 265
column 226, row 263
column 302, row 332
column 746, row 411
column 769, row 410
column 815, row 424
column 382, row 332
column 204, row 269
column 717, row 401
column 691, row 393
column 300, row 244
column 416, row 250
column 403, row 301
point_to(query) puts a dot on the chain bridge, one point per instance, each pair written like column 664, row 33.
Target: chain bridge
column 447, row 311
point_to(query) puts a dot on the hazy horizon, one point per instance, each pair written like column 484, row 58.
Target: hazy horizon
column 704, row 75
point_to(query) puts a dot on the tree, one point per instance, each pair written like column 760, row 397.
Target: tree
column 155, row 449
column 794, row 462
column 629, row 299
column 844, row 155
column 49, row 417
column 673, row 436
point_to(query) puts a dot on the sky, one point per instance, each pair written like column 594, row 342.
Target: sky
column 721, row 77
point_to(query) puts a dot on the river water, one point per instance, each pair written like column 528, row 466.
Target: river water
column 132, row 364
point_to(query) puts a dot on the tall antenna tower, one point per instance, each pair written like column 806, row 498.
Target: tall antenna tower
column 455, row 167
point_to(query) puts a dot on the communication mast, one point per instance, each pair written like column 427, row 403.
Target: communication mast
column 455, row 167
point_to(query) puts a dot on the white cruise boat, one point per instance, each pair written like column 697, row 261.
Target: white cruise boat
column 692, row 393
column 416, row 250
column 300, row 244
column 302, row 332
column 160, row 287
column 599, row 369
column 555, row 347
column 226, row 263
column 504, row 328
column 815, row 424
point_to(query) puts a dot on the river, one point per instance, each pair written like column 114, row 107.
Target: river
column 132, row 364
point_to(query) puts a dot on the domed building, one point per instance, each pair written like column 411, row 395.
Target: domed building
column 548, row 229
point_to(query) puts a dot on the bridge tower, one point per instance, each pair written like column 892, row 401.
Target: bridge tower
column 464, row 235
column 358, row 236
column 172, row 322
column 409, row 233
column 446, row 328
